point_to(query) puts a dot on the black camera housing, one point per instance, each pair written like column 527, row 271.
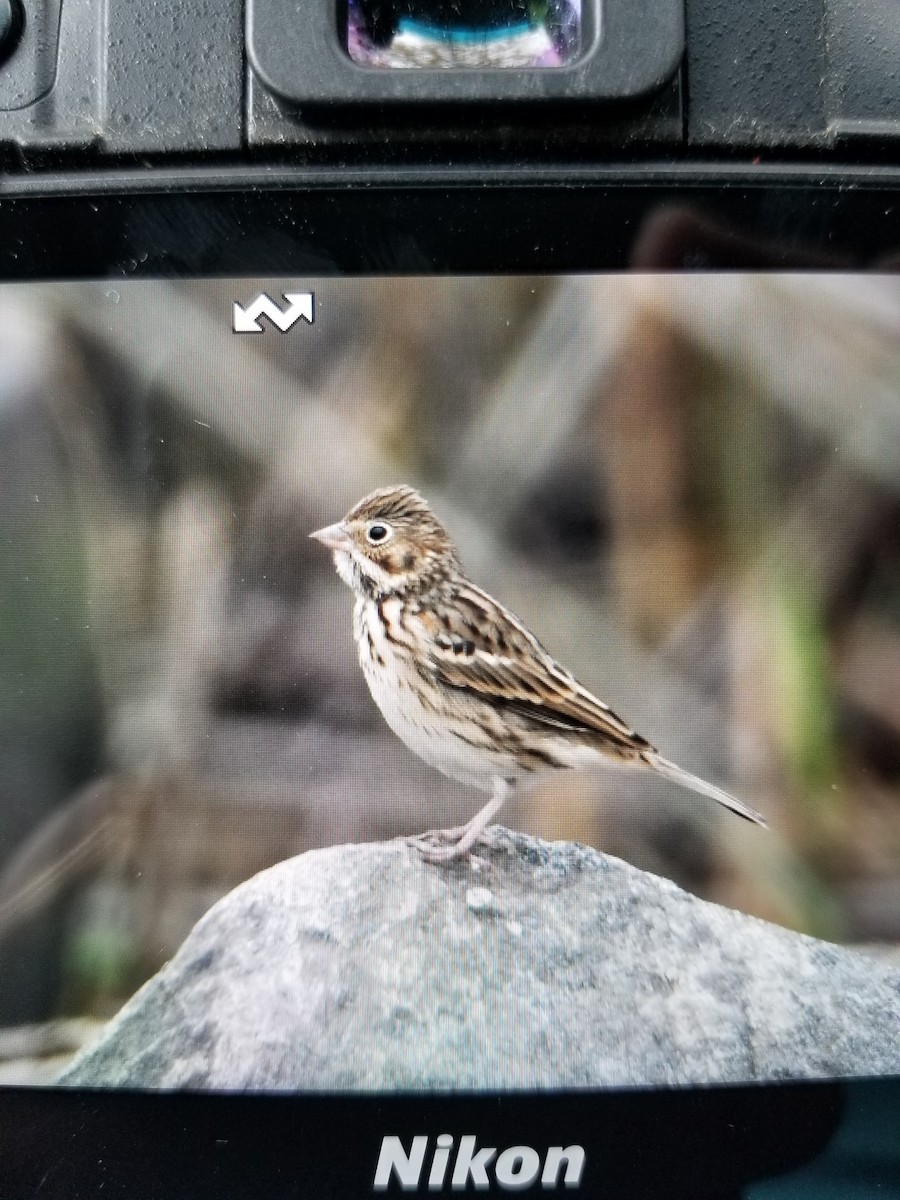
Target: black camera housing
column 144, row 122
column 779, row 125
column 171, row 140
column 85, row 83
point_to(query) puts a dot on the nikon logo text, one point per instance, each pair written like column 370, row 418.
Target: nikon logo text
column 514, row 1169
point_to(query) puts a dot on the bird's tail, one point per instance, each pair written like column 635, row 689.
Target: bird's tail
column 696, row 784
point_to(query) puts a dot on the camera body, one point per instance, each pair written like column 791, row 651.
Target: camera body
column 241, row 146
column 87, row 84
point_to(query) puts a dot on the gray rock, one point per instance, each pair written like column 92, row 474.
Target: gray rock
column 547, row 965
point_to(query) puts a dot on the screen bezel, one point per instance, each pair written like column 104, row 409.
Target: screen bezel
column 389, row 221
column 183, row 223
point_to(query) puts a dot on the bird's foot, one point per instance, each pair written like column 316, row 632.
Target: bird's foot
column 442, row 836
column 447, row 845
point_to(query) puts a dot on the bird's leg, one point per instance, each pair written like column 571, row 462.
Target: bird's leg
column 462, row 838
column 451, row 834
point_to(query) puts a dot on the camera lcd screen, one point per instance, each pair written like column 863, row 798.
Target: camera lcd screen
column 653, row 522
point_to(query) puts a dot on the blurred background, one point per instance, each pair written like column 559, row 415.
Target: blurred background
column 688, row 487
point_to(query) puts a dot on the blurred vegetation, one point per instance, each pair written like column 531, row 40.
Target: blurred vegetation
column 664, row 476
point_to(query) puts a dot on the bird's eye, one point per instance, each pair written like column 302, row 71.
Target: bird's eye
column 378, row 533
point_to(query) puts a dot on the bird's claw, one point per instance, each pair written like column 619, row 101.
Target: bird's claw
column 445, row 846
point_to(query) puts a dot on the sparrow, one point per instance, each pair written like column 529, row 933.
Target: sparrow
column 460, row 679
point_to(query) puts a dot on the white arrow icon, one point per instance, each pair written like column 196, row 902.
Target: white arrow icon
column 299, row 304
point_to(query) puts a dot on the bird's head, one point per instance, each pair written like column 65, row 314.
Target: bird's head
column 390, row 543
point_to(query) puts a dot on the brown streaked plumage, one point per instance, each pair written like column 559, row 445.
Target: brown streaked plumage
column 459, row 678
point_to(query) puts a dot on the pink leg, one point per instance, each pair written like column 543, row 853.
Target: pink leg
column 463, row 837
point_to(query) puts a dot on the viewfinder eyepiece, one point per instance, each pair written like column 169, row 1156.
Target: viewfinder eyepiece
column 467, row 34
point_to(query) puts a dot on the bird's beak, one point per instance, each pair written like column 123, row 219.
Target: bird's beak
column 335, row 537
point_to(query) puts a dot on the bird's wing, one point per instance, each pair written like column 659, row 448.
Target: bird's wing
column 475, row 645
